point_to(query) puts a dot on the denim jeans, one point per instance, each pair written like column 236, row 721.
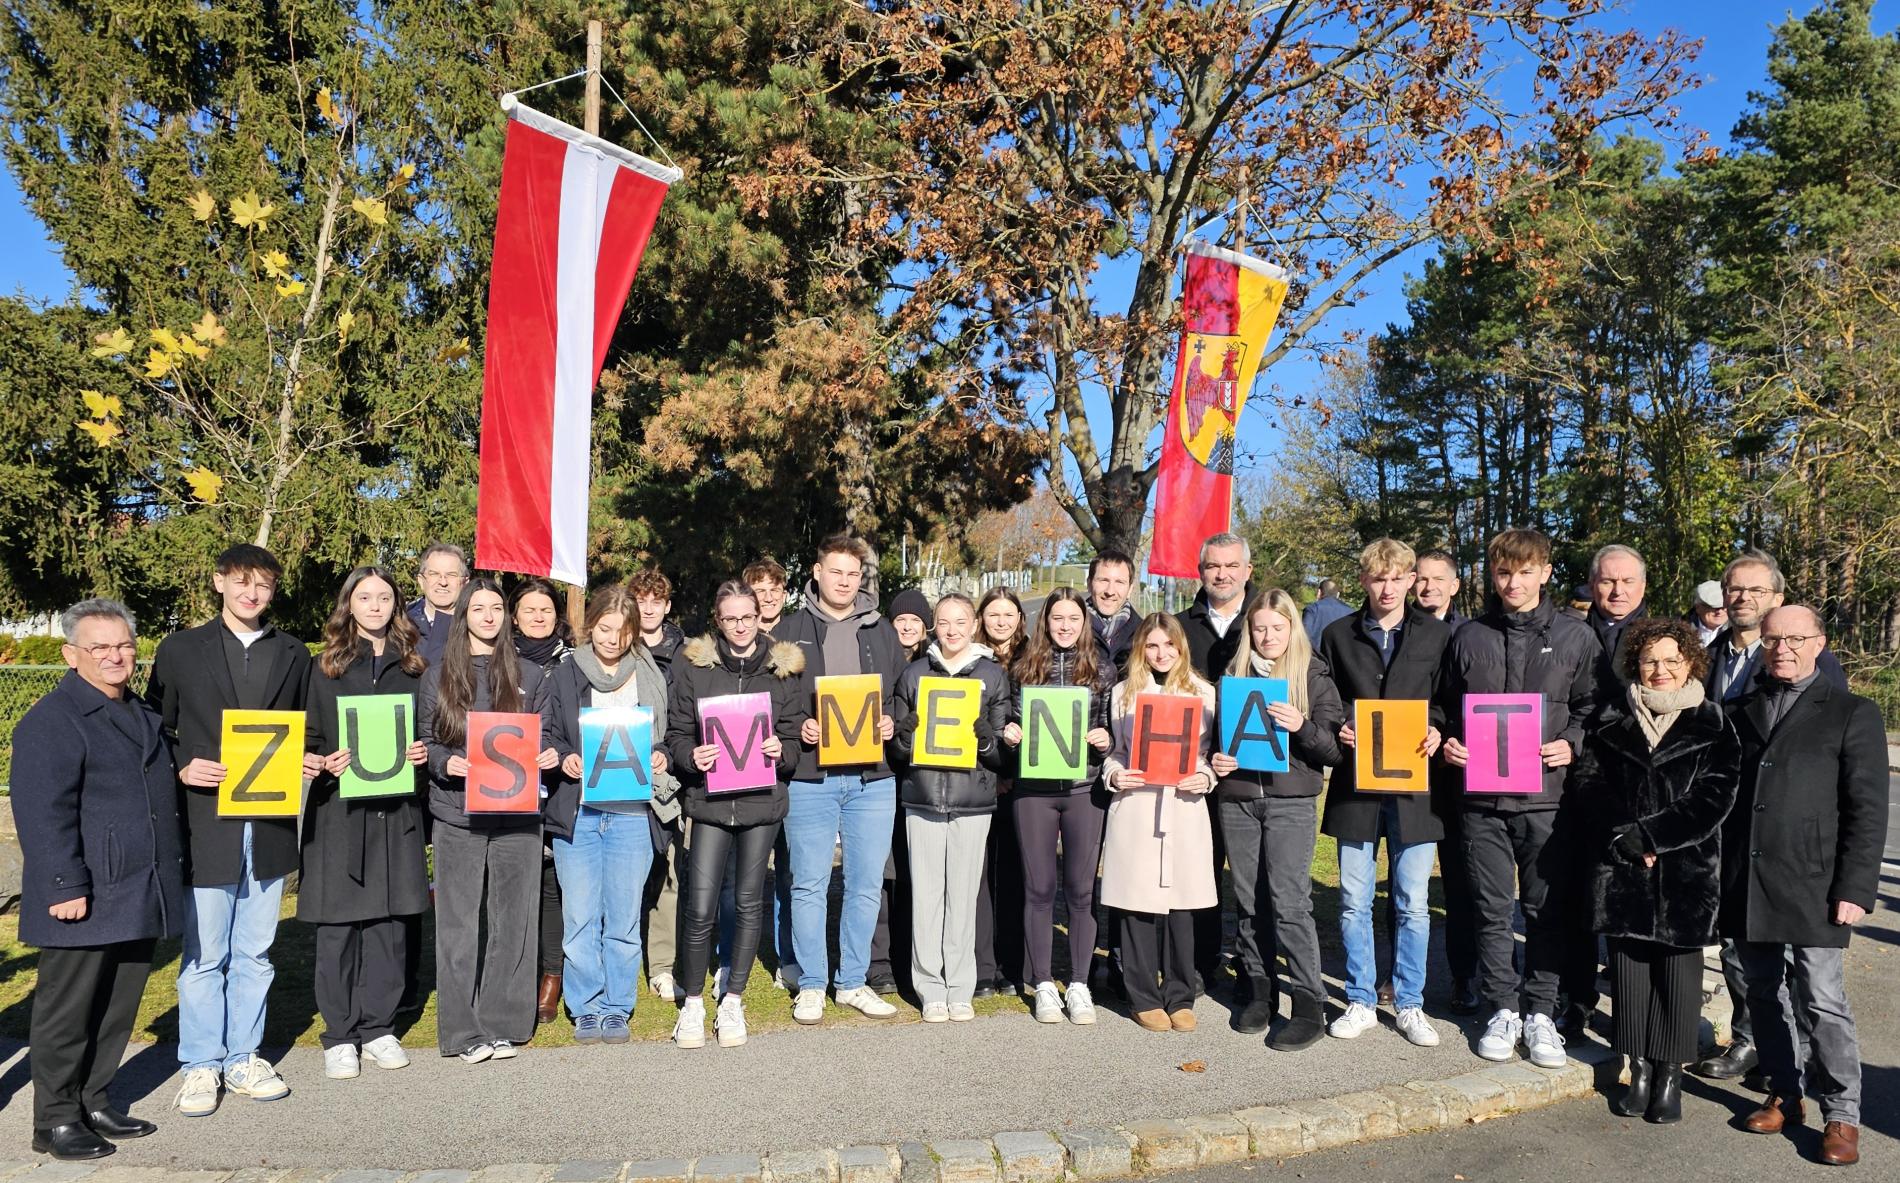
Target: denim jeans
column 1411, row 874
column 603, row 870
column 843, row 807
column 224, row 971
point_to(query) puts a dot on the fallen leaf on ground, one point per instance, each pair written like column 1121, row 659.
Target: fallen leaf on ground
column 1194, row 1066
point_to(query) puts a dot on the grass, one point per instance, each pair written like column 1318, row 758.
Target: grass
column 292, row 1014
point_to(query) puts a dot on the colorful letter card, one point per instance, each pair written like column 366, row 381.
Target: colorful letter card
column 377, row 730
column 1165, row 746
column 849, row 707
column 946, row 722
column 738, row 725
column 1055, row 726
column 502, row 776
column 616, row 755
column 262, row 754
column 1247, row 732
column 1388, row 734
column 1503, row 734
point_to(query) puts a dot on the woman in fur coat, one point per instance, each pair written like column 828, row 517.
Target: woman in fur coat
column 1658, row 775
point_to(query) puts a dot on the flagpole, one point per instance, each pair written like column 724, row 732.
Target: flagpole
column 590, row 123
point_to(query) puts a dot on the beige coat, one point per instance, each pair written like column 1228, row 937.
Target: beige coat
column 1158, row 854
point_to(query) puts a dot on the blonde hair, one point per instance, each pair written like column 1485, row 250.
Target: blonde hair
column 1386, row 554
column 1181, row 679
column 1294, row 663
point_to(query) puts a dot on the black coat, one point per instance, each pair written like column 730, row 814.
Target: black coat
column 707, row 669
column 879, row 652
column 447, row 793
column 1062, row 673
column 95, row 801
column 362, row 858
column 434, row 634
column 1354, row 664
column 1310, row 750
column 1677, row 797
column 671, row 638
column 191, row 688
column 1612, row 638
column 953, row 791
column 1537, row 652
column 1810, row 819
column 1210, row 651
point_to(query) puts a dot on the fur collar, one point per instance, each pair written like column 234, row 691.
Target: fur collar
column 784, row 659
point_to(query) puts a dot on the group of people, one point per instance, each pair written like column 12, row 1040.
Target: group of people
column 1688, row 794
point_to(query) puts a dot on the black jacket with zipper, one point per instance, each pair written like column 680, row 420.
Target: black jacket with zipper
column 879, row 652
column 707, row 668
column 1062, row 673
column 1358, row 671
column 1310, row 751
column 953, row 791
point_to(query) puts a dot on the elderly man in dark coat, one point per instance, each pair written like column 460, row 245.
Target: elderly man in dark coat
column 95, row 800
column 1800, row 866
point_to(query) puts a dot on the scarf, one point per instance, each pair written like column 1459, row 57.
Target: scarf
column 599, row 678
column 1262, row 666
column 542, row 651
column 1655, row 710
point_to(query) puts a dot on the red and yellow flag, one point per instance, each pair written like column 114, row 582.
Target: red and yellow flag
column 1229, row 301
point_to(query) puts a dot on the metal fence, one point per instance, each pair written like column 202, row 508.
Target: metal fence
column 23, row 685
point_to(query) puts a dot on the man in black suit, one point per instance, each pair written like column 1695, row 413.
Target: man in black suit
column 237, row 866
column 1800, row 867
column 95, row 801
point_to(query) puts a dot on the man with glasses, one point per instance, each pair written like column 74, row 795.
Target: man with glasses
column 767, row 581
column 1801, row 857
column 442, row 574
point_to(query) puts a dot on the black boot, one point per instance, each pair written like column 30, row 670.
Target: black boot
column 1665, row 1095
column 1304, row 1029
column 1263, row 1003
column 1635, row 1102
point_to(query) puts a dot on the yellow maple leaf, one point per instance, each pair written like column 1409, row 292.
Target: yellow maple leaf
column 101, row 405
column 112, row 344
column 164, row 339
column 159, row 363
column 292, row 288
column 203, row 206
column 327, row 105
column 406, row 173
column 276, row 264
column 248, row 211
column 455, row 351
column 208, row 330
column 374, row 211
column 344, row 322
column 204, row 483
column 194, row 348
column 101, row 433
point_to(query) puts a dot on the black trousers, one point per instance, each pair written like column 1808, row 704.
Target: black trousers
column 84, row 1005
column 1657, row 991
column 359, row 978
column 712, row 847
column 1270, row 843
column 1158, row 960
column 1461, row 919
column 1076, row 821
column 999, row 902
column 1512, row 862
column 550, row 916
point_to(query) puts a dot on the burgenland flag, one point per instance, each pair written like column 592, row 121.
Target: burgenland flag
column 573, row 222
column 1229, row 303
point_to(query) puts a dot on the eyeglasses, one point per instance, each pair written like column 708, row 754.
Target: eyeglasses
column 1793, row 643
column 1661, row 663
column 1748, row 593
column 736, row 621
column 101, row 652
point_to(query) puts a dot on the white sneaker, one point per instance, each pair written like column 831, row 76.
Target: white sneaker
column 256, row 1079
column 504, row 1050
column 385, row 1051
column 729, row 1023
column 961, row 1012
column 1048, row 1003
column 865, row 1001
column 476, row 1053
column 689, row 1030
column 1545, row 1045
column 936, row 1012
column 1499, row 1041
column 663, row 986
column 1081, row 1007
column 1416, row 1027
column 809, row 1006
column 198, row 1096
column 1358, row 1019
column 785, row 978
column 341, row 1062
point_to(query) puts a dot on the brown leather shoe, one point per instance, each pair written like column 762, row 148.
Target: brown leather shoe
column 1775, row 1113
column 1182, row 1020
column 1153, row 1020
column 547, row 1007
column 1840, row 1144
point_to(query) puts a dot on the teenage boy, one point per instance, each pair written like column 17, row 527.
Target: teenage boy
column 1111, row 616
column 652, row 595
column 1523, row 645
column 1389, row 650
column 767, row 581
column 441, row 574
column 840, row 632
column 235, row 867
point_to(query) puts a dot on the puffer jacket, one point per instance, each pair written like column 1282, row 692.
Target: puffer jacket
column 707, row 668
column 1062, row 671
column 952, row 791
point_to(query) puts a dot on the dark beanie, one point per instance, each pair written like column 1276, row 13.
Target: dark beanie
column 911, row 602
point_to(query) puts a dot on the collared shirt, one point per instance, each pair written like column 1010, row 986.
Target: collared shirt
column 1220, row 623
column 1386, row 639
column 1732, row 670
column 1783, row 695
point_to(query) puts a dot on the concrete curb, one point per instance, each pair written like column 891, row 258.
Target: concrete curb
column 1264, row 1132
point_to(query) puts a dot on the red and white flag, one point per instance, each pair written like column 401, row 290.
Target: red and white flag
column 573, row 222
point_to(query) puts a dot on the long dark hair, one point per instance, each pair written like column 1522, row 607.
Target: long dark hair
column 455, row 693
column 1032, row 664
column 1004, row 650
column 340, row 636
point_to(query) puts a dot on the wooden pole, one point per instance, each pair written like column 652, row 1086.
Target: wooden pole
column 590, row 123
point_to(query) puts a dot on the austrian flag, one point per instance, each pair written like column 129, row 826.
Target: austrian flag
column 573, row 221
